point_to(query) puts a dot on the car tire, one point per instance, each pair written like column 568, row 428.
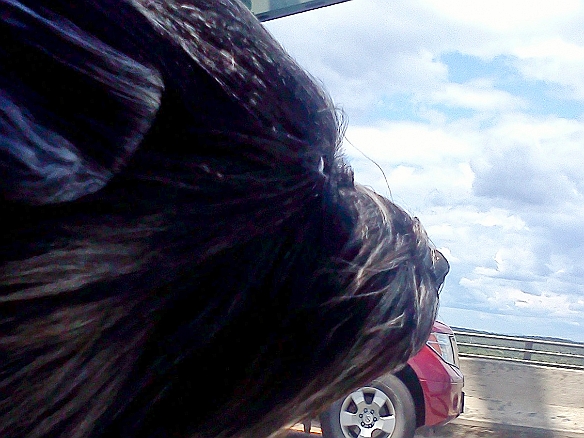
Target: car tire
column 383, row 409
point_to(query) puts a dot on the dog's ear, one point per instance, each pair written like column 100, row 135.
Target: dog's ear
column 72, row 108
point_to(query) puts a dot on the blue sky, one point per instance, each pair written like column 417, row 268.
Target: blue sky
column 475, row 112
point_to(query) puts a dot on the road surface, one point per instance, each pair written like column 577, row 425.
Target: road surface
column 473, row 429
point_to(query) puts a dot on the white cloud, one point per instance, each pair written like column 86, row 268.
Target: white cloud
column 552, row 48
column 503, row 15
column 500, row 218
column 518, row 261
column 365, row 50
column 424, row 166
column 477, row 95
column 555, row 61
column 531, row 160
column 406, row 142
column 513, row 300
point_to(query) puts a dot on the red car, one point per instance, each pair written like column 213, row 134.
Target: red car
column 426, row 392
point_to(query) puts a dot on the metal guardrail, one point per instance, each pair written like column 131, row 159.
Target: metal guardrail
column 534, row 351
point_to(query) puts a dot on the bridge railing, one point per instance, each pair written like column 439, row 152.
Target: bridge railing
column 561, row 354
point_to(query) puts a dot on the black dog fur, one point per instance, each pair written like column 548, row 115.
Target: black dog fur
column 184, row 251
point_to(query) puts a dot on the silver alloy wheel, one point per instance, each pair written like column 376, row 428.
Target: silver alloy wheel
column 367, row 413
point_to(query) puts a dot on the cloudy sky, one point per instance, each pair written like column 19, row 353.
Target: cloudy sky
column 475, row 112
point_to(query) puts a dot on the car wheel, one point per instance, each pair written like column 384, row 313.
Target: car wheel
column 383, row 409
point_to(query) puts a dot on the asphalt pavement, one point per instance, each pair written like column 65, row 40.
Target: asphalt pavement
column 472, row 429
column 477, row 429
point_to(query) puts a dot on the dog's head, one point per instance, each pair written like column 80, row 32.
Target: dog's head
column 186, row 251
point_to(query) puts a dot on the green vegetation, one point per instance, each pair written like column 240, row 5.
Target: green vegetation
column 532, row 349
